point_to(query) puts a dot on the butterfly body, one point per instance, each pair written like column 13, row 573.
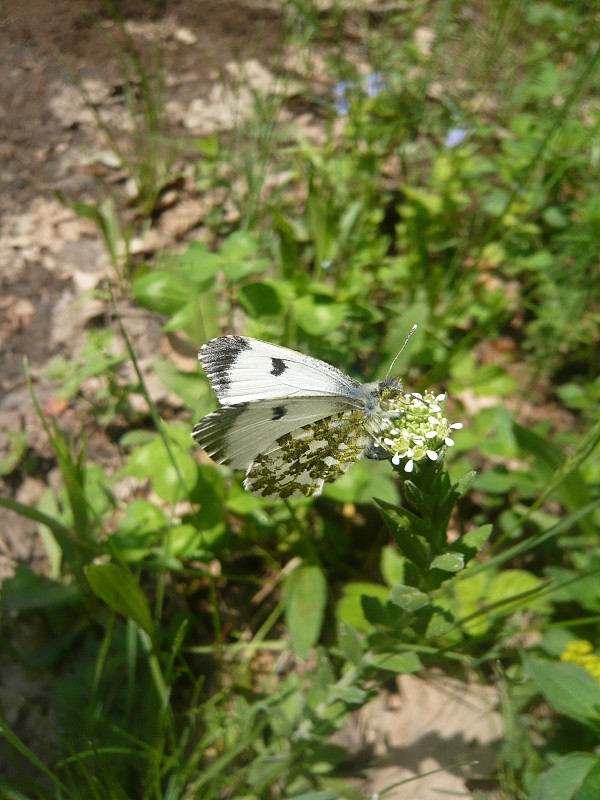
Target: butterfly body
column 292, row 422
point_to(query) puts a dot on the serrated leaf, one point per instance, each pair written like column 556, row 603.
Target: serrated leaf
column 119, row 590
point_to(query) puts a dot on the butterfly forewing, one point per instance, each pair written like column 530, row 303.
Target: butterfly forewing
column 242, row 370
column 235, row 435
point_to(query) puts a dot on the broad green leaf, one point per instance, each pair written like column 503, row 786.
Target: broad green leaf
column 563, row 780
column 440, row 624
column 449, row 562
column 518, row 584
column 569, row 688
column 27, row 591
column 172, row 481
column 259, row 299
column 350, row 607
column 590, row 788
column 394, row 662
column 318, row 318
column 408, row 598
column 572, row 586
column 162, row 291
column 119, row 590
column 186, row 385
column 305, row 597
column 474, row 540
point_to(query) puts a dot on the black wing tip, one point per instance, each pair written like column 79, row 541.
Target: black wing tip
column 228, row 346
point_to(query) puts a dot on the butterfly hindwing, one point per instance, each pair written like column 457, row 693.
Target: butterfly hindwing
column 301, row 462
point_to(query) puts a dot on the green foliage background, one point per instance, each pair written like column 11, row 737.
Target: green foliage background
column 456, row 189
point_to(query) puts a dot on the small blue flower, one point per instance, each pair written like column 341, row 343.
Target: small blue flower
column 374, row 85
column 340, row 92
column 455, row 136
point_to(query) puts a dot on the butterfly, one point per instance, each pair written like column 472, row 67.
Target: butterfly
column 292, row 422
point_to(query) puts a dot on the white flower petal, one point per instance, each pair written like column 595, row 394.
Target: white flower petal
column 409, row 466
column 449, row 442
column 431, row 434
column 432, row 455
column 396, row 459
column 456, row 426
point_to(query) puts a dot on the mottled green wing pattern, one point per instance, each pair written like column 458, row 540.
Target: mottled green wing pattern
column 301, row 462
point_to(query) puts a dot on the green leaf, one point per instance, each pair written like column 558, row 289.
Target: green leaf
column 569, row 688
column 520, row 585
column 449, row 562
column 440, row 624
column 119, row 590
column 162, row 291
column 563, row 779
column 590, row 788
column 474, row 540
column 395, row 662
column 398, row 521
column 305, row 597
column 171, row 480
column 463, row 485
column 408, row 598
column 349, row 643
column 27, row 591
column 318, row 318
column 184, row 384
column 392, row 566
column 259, row 300
column 573, row 491
column 350, row 606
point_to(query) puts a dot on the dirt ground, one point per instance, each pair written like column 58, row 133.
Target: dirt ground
column 52, row 154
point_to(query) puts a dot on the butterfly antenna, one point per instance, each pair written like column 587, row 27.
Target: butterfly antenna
column 410, row 333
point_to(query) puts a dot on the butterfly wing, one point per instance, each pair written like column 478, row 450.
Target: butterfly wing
column 235, row 435
column 242, row 370
column 299, row 463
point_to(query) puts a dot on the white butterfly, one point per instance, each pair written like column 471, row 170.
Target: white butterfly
column 292, row 422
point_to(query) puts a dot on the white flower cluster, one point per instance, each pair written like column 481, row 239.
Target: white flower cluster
column 421, row 430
